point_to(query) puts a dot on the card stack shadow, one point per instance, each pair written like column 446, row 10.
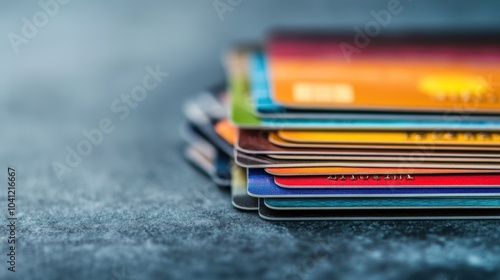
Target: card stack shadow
column 306, row 128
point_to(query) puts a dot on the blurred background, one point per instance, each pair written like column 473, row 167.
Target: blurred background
column 133, row 209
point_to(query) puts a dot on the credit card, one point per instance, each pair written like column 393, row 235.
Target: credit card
column 382, row 203
column 263, row 161
column 376, row 214
column 222, row 176
column 212, row 101
column 401, row 46
column 198, row 115
column 227, row 131
column 262, row 185
column 390, row 180
column 242, row 113
column 432, row 80
column 421, row 148
column 240, row 198
column 218, row 167
column 316, row 171
column 415, row 158
column 199, row 160
column 191, row 135
column 257, row 142
column 394, row 137
column 265, row 107
column 259, row 85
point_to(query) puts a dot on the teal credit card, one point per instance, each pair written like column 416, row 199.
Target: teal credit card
column 382, row 203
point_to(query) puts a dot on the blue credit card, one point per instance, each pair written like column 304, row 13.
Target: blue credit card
column 222, row 168
column 258, row 76
column 266, row 108
column 385, row 202
column 261, row 184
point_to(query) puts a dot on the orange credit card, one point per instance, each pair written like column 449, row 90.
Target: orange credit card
column 227, row 131
column 425, row 80
column 393, row 137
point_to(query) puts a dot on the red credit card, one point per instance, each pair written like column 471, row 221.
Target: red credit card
column 407, row 47
column 384, row 181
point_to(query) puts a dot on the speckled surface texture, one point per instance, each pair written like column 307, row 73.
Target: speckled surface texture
column 133, row 209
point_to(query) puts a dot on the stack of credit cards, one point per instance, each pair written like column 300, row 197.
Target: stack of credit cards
column 310, row 127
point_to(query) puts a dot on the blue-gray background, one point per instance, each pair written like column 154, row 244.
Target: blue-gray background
column 133, row 209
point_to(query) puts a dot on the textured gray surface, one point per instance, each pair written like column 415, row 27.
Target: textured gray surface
column 133, row 209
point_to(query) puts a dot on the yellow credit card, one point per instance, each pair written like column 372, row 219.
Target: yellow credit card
column 449, row 138
column 276, row 140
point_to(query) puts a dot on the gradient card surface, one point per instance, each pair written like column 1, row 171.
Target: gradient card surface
column 433, row 77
